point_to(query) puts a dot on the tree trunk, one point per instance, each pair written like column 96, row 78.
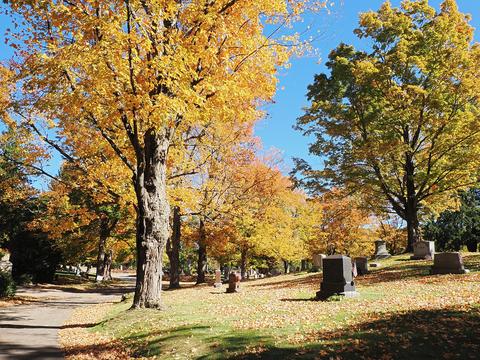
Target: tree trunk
column 188, row 267
column 303, row 265
column 243, row 263
column 411, row 211
column 202, row 254
column 286, row 266
column 153, row 216
column 107, row 272
column 104, row 234
column 173, row 250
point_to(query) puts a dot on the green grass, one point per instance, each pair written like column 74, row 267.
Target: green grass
column 402, row 313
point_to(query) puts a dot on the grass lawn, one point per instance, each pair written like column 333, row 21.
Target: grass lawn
column 402, row 313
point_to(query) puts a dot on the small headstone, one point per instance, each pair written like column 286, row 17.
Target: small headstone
column 218, row 279
column 362, row 265
column 337, row 277
column 317, row 260
column 381, row 250
column 423, row 250
column 448, row 263
column 234, row 282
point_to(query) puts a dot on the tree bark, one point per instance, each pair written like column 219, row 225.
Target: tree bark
column 173, row 250
column 243, row 263
column 286, row 266
column 108, row 266
column 411, row 211
column 102, row 241
column 202, row 254
column 153, row 216
column 303, row 266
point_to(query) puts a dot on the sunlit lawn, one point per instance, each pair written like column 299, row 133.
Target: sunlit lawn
column 402, row 312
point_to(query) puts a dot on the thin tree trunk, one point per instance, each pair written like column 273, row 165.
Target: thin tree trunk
column 173, row 250
column 102, row 241
column 153, row 215
column 411, row 211
column 202, row 254
column 108, row 266
column 286, row 266
column 243, row 263
column 303, row 265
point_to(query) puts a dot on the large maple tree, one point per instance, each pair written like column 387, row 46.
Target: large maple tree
column 400, row 123
column 140, row 75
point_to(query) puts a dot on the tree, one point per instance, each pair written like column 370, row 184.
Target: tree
column 139, row 74
column 456, row 228
column 84, row 225
column 344, row 226
column 400, row 122
column 267, row 215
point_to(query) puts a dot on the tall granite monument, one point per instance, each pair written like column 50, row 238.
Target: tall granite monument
column 337, row 277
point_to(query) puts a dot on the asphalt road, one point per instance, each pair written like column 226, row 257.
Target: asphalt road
column 31, row 331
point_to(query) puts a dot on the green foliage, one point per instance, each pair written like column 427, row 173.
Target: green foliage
column 455, row 229
column 8, row 287
column 35, row 255
column 399, row 123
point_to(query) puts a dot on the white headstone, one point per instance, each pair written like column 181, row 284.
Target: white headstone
column 423, row 250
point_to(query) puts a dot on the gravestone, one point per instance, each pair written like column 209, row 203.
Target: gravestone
column 448, row 263
column 218, row 279
column 337, row 277
column 234, row 282
column 423, row 250
column 317, row 260
column 362, row 265
column 381, row 250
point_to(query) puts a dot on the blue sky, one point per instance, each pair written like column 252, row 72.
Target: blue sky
column 276, row 130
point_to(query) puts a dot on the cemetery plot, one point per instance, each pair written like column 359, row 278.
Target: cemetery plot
column 402, row 312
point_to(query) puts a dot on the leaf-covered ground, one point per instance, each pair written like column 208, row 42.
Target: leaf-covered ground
column 402, row 313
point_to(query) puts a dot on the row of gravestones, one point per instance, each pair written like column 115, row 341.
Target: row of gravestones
column 339, row 270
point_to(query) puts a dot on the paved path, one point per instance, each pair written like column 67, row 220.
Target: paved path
column 31, row 331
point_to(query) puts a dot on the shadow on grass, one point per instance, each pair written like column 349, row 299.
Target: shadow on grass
column 451, row 333
column 446, row 333
column 299, row 300
column 472, row 262
column 314, row 279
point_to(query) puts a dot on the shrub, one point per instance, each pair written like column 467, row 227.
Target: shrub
column 7, row 285
column 24, row 279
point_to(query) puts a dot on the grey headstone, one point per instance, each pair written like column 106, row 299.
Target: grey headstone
column 362, row 265
column 448, row 263
column 337, row 277
column 317, row 260
column 218, row 279
column 381, row 250
column 423, row 250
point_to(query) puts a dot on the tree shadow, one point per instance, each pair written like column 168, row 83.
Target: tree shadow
column 299, row 300
column 312, row 280
column 472, row 262
column 424, row 334
column 24, row 352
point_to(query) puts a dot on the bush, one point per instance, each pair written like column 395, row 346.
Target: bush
column 33, row 254
column 7, row 285
column 24, row 279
